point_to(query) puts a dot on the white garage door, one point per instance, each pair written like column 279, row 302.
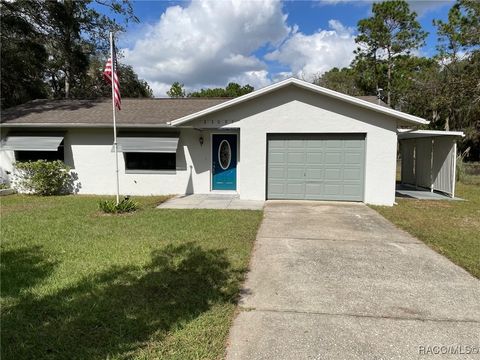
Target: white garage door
column 316, row 166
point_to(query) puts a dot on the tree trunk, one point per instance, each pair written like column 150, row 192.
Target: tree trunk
column 67, row 83
column 376, row 73
column 54, row 85
column 68, row 47
column 389, row 80
column 434, row 116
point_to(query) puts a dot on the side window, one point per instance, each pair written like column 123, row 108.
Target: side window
column 33, row 155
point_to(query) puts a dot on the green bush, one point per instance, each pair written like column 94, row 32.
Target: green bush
column 43, row 177
column 111, row 206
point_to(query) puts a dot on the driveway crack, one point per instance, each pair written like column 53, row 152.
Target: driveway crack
column 345, row 240
column 359, row 316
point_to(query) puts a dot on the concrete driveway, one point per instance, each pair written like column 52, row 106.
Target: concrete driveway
column 338, row 281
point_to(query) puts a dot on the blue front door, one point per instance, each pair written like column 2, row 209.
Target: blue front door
column 224, row 162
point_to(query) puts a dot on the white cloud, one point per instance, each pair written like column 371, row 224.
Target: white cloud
column 257, row 79
column 208, row 43
column 308, row 55
column 283, row 75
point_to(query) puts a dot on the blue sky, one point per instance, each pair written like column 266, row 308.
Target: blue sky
column 206, row 43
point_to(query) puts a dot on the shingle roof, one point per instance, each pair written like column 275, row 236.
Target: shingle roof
column 135, row 112
column 372, row 99
column 99, row 112
column 293, row 82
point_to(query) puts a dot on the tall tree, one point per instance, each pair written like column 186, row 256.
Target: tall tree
column 343, row 80
column 53, row 40
column 75, row 31
column 392, row 31
column 459, row 54
column 176, row 90
column 414, row 76
column 23, row 56
column 444, row 89
column 94, row 85
column 231, row 90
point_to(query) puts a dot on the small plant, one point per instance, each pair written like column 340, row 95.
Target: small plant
column 111, row 206
column 43, row 177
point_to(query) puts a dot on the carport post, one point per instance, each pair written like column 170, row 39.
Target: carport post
column 454, row 170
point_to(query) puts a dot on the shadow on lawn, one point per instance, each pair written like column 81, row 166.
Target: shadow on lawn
column 22, row 269
column 118, row 311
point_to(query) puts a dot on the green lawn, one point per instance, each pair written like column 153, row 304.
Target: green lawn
column 452, row 228
column 156, row 284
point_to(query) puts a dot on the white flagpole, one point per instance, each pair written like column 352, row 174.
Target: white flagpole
column 114, row 120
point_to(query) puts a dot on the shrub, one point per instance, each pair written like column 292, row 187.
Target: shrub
column 43, row 177
column 111, row 206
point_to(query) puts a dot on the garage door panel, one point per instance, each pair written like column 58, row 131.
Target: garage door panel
column 334, row 144
column 277, row 158
column 333, row 157
column 295, row 188
column 314, row 158
column 277, row 188
column 296, row 144
column 316, row 166
column 314, row 144
column 333, row 174
column 313, row 189
column 333, row 189
column 314, row 174
column 277, row 172
column 352, row 158
column 353, row 144
column 295, row 174
column 352, row 174
column 351, row 189
column 296, row 157
column 277, row 144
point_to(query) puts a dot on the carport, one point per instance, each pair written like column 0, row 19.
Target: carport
column 429, row 159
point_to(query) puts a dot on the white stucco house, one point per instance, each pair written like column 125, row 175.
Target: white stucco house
column 290, row 140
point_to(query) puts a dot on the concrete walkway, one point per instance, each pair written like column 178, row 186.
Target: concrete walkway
column 411, row 192
column 338, row 281
column 211, row 201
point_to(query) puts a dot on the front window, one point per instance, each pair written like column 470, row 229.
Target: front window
column 150, row 161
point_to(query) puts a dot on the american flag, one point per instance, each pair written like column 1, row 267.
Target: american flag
column 107, row 74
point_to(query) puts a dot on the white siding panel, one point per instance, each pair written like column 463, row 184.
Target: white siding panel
column 88, row 153
column 94, row 162
column 444, row 164
column 423, row 162
column 294, row 110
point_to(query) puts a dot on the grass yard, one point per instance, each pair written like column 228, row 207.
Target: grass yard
column 452, row 228
column 156, row 284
